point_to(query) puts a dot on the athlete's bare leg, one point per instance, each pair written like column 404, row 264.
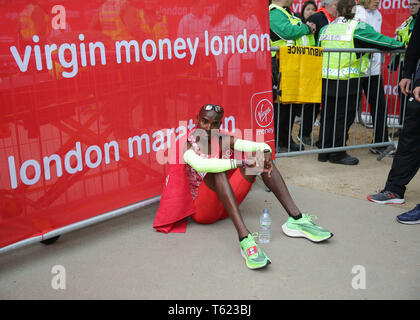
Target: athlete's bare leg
column 219, row 183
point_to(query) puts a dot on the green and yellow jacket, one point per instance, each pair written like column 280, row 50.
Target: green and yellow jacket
column 349, row 33
column 287, row 29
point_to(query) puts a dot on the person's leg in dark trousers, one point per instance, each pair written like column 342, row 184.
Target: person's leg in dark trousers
column 337, row 125
column 345, row 115
column 287, row 116
column 326, row 127
column 326, row 130
column 407, row 157
column 374, row 92
column 310, row 113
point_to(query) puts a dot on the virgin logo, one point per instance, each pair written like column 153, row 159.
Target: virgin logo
column 264, row 113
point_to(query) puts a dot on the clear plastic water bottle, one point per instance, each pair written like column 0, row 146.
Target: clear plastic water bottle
column 265, row 227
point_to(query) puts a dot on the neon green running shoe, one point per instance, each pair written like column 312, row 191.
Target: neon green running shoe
column 254, row 256
column 304, row 227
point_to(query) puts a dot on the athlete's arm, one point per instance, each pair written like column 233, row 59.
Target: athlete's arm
column 208, row 165
column 250, row 146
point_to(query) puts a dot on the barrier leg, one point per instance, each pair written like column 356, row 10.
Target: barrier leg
column 49, row 241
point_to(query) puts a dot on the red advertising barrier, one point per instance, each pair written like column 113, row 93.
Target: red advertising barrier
column 91, row 90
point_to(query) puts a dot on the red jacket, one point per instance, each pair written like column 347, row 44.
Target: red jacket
column 176, row 203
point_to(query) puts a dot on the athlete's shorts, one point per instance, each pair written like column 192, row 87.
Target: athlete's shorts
column 209, row 209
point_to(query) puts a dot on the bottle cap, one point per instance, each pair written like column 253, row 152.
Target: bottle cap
column 265, row 211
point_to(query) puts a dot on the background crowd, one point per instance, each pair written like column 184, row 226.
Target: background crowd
column 345, row 24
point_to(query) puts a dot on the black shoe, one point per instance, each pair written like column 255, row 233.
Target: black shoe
column 293, row 147
column 323, row 157
column 346, row 160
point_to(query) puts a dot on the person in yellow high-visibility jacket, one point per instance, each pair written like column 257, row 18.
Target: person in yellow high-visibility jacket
column 341, row 73
column 286, row 30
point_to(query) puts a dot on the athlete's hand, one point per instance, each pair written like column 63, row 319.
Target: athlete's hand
column 253, row 165
column 262, row 163
column 251, row 162
column 268, row 163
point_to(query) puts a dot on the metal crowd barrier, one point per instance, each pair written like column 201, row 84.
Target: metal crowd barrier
column 363, row 129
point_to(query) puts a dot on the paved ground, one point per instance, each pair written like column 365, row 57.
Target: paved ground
column 125, row 259
column 368, row 177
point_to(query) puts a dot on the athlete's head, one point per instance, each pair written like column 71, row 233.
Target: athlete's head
column 210, row 117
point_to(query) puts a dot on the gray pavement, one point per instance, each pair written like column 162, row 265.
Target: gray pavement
column 124, row 258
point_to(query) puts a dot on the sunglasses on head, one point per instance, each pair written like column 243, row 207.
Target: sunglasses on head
column 214, row 107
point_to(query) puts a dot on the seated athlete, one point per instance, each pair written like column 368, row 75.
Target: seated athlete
column 217, row 186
